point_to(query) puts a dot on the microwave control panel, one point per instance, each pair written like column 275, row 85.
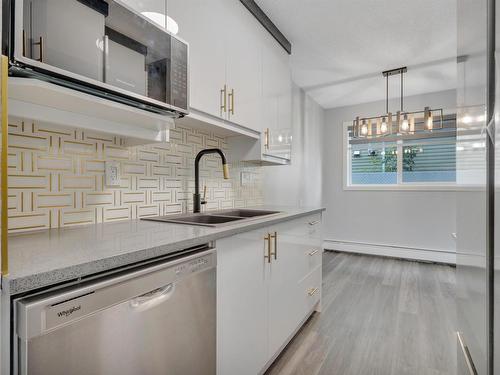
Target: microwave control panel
column 179, row 74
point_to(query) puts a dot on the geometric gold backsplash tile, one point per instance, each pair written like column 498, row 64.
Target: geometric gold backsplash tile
column 56, row 176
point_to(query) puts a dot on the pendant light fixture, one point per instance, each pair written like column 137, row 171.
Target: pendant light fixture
column 428, row 119
column 403, row 122
column 407, row 122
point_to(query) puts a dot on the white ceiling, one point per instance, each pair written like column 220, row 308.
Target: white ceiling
column 340, row 47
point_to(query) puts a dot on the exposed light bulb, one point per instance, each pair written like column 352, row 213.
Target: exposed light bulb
column 405, row 124
column 280, row 138
column 364, row 128
column 383, row 126
column 428, row 120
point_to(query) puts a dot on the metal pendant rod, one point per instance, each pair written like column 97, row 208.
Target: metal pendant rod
column 387, row 94
column 401, row 91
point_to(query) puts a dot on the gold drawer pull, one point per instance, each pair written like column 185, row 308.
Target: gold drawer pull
column 314, row 222
column 312, row 291
column 275, row 237
column 223, row 99
column 41, row 47
column 231, row 102
column 268, row 240
column 313, row 252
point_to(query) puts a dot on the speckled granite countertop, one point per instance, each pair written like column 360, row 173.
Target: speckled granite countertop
column 43, row 258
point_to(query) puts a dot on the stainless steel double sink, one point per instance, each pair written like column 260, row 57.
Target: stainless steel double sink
column 214, row 218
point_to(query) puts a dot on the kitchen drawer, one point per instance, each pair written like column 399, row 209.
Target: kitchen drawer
column 306, row 257
column 308, row 226
column 313, row 257
column 310, row 290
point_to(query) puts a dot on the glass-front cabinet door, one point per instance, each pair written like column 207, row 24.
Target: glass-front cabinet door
column 277, row 102
column 127, row 47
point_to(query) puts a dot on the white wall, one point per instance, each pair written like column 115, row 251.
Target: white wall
column 299, row 184
column 403, row 223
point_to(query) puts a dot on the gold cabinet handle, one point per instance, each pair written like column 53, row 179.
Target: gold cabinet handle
column 314, row 222
column 231, row 102
column 223, row 99
column 312, row 291
column 275, row 237
column 313, row 252
column 268, row 240
column 266, row 139
column 40, row 46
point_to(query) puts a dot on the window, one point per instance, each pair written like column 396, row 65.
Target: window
column 374, row 163
column 421, row 159
column 431, row 160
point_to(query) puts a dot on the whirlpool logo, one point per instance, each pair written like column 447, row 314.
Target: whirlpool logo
column 68, row 312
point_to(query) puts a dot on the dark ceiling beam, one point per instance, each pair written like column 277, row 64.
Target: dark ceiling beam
column 259, row 14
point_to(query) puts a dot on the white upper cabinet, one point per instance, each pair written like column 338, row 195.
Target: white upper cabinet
column 202, row 24
column 239, row 73
column 277, row 101
column 244, row 66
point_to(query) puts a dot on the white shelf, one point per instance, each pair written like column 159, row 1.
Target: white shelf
column 201, row 120
column 44, row 101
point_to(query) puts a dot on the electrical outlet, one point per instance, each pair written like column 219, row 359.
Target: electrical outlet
column 112, row 173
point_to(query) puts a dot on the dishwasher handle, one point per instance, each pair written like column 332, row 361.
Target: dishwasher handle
column 39, row 314
column 153, row 298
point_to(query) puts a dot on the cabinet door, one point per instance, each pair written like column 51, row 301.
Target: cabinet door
column 242, row 300
column 277, row 101
column 243, row 66
column 202, row 25
column 286, row 306
column 270, row 84
column 71, row 36
column 281, row 138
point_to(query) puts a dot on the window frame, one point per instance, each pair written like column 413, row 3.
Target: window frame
column 400, row 185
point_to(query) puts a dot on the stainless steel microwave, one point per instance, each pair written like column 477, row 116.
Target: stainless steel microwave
column 105, row 48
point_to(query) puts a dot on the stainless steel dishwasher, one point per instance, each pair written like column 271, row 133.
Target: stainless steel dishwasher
column 155, row 319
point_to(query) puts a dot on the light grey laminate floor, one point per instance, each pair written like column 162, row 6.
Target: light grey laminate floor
column 380, row 316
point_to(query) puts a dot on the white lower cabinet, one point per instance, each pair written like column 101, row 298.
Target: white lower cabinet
column 242, row 298
column 262, row 301
column 285, row 310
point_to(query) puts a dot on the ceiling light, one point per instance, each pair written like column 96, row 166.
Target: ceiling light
column 384, row 127
column 364, row 128
column 164, row 21
column 428, row 119
column 406, row 120
column 405, row 125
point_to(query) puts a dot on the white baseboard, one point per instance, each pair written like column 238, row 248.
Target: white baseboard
column 428, row 255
